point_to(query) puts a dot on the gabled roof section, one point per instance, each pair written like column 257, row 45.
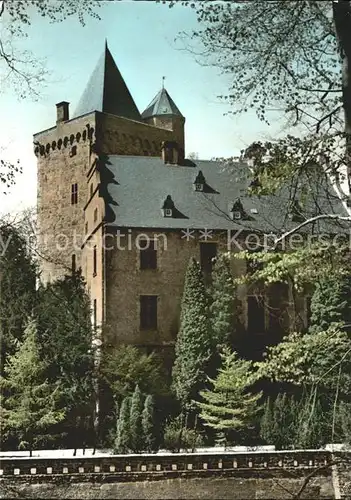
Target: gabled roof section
column 139, row 203
column 107, row 92
column 162, row 104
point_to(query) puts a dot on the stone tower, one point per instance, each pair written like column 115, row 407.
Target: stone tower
column 105, row 122
column 162, row 112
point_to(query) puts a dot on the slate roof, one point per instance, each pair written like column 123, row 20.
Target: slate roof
column 136, row 188
column 162, row 104
column 107, row 92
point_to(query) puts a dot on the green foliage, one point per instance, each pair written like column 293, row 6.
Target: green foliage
column 272, row 54
column 8, row 172
column 123, row 439
column 25, row 72
column 135, row 423
column 309, row 359
column 179, row 437
column 20, row 13
column 126, row 366
column 65, row 339
column 229, row 406
column 149, row 424
column 192, row 349
column 312, row 424
column 331, row 303
column 17, row 288
column 278, row 423
column 31, row 407
column 300, row 423
column 344, row 422
column 301, row 267
column 224, row 302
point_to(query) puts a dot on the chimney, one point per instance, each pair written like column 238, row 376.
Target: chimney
column 170, row 153
column 62, row 111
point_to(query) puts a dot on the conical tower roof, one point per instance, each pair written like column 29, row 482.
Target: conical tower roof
column 162, row 104
column 107, row 92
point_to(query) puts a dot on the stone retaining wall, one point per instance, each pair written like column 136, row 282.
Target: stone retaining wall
column 173, row 464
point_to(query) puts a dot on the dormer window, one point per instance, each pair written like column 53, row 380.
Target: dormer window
column 237, row 212
column 168, row 207
column 199, row 182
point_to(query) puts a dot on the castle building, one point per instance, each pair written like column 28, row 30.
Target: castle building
column 118, row 199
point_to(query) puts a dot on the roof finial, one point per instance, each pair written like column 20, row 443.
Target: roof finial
column 163, row 82
column 106, row 44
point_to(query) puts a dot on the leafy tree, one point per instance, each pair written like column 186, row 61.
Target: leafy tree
column 291, row 56
column 192, row 349
column 149, row 424
column 17, row 287
column 136, row 429
column 229, row 406
column 8, row 172
column 23, row 70
column 123, row 437
column 331, row 303
column 223, row 319
column 310, row 359
column 126, row 366
column 31, row 407
column 65, row 339
column 281, row 54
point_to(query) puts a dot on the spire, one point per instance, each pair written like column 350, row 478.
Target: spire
column 106, row 91
column 162, row 104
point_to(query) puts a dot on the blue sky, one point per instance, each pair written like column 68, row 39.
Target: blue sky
column 141, row 37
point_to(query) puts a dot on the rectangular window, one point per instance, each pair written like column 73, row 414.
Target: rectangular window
column 95, row 215
column 148, row 254
column 255, row 314
column 74, row 194
column 94, row 313
column 148, row 312
column 91, row 189
column 73, row 263
column 94, row 261
column 208, row 251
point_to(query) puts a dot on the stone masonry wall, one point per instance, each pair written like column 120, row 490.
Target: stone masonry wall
column 249, row 475
column 116, row 135
column 125, row 282
column 63, row 156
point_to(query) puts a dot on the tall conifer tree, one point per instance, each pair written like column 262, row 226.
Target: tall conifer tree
column 17, row 288
column 228, row 406
column 136, row 430
column 193, row 344
column 149, row 424
column 31, row 407
column 122, row 442
column 224, row 302
column 65, row 337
